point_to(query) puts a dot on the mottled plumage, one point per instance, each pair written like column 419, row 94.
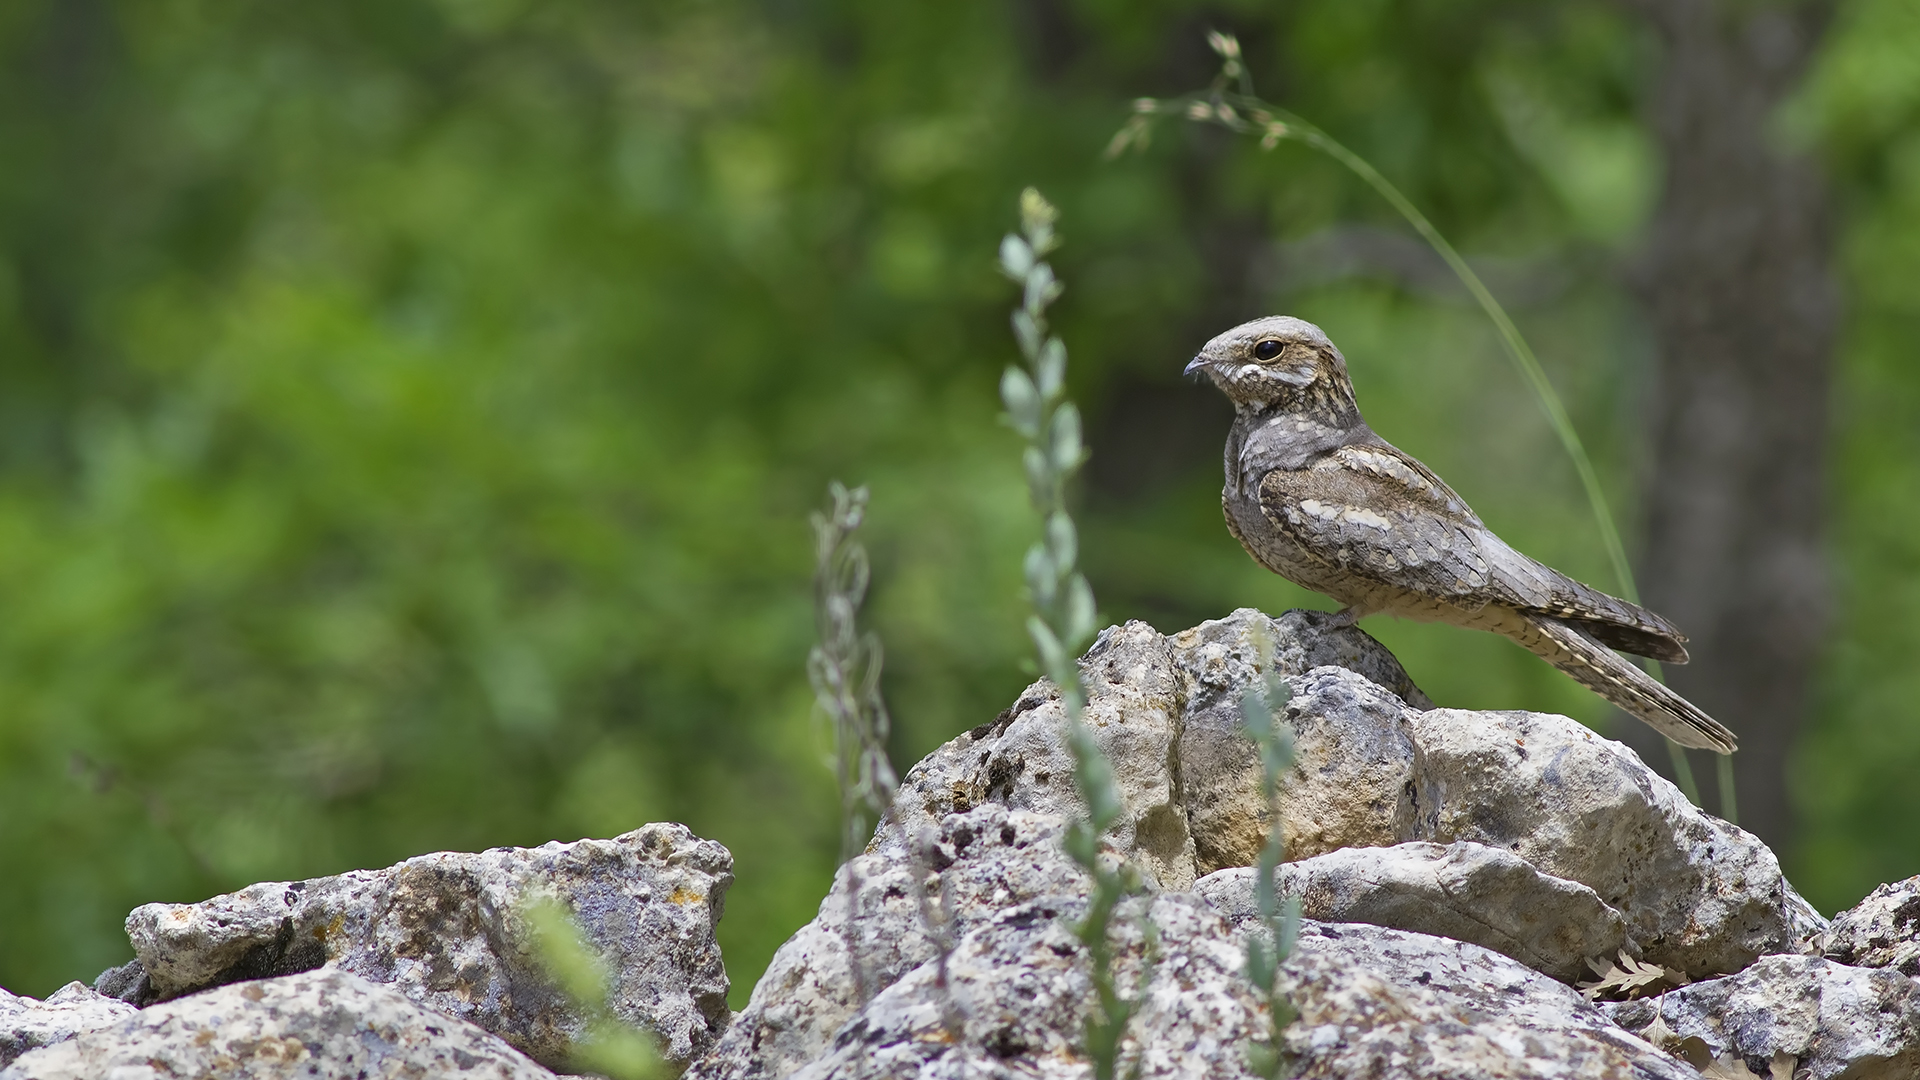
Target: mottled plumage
column 1315, row 496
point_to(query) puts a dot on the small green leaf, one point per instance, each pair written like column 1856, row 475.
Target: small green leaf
column 1062, row 541
column 1022, row 400
column 1042, row 289
column 1043, row 578
column 1053, row 656
column 1016, row 257
column 1027, row 331
column 1080, row 614
column 1052, row 368
column 1064, row 446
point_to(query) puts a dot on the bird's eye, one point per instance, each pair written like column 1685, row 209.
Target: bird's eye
column 1266, row 350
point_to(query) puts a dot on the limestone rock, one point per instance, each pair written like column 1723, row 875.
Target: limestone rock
column 1372, row 1002
column 1019, row 991
column 27, row 1024
column 1698, row 894
column 1832, row 1021
column 446, row 930
column 1375, row 1002
column 1358, row 781
column 987, row 859
column 323, row 1025
column 1166, row 711
column 1464, row 891
column 1881, row 931
column 1020, row 760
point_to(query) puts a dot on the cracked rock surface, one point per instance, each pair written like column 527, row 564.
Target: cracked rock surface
column 1698, row 894
column 1464, row 891
column 1828, row 1019
column 447, row 930
column 323, row 1025
column 1376, row 1002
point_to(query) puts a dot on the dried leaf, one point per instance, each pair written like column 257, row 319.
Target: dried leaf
column 1660, row 1035
column 1727, row 1067
column 1630, row 978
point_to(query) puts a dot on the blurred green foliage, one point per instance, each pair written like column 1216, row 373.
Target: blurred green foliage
column 409, row 409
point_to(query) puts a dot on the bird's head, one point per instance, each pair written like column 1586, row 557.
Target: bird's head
column 1280, row 362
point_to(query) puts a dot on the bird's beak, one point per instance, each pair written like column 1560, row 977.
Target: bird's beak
column 1198, row 363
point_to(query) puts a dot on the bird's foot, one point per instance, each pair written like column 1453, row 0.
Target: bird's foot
column 1345, row 617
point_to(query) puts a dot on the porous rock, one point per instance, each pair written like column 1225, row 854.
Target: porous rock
column 1698, row 894
column 1357, row 778
column 448, row 930
column 1021, row 759
column 1881, row 931
column 1166, row 712
column 1375, row 1002
column 28, row 1024
column 1464, row 891
column 1827, row 1020
column 1018, row 992
column 1371, row 1001
column 983, row 861
column 322, row 1025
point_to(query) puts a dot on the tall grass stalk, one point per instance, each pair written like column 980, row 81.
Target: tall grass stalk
column 1062, row 622
column 844, row 668
column 1231, row 103
column 1260, row 709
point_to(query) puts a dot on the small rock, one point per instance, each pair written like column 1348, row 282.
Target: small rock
column 1881, row 931
column 1358, row 779
column 1833, row 1021
column 27, row 1024
column 446, row 930
column 323, row 1025
column 1464, row 891
column 1021, row 759
column 989, row 858
column 1375, row 1002
column 1698, row 894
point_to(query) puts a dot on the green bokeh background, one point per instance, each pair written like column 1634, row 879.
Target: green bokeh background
column 410, row 409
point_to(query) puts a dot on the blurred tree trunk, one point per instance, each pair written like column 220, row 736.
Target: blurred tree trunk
column 1736, row 277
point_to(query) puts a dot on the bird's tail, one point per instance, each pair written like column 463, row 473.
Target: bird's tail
column 1622, row 682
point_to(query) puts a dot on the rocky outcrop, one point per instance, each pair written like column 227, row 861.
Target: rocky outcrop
column 1458, row 870
column 323, row 1025
column 27, row 1024
column 448, row 931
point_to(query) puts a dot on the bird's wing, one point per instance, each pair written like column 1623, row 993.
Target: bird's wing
column 1379, row 513
column 1376, row 510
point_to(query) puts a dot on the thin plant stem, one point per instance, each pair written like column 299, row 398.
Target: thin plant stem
column 1063, row 619
column 1729, row 803
column 1261, row 711
column 844, row 668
